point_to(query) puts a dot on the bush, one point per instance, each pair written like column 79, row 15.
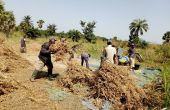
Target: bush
column 166, row 83
column 33, row 33
column 142, row 44
column 165, row 49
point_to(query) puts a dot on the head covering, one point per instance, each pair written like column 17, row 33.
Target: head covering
column 52, row 39
column 132, row 45
column 109, row 42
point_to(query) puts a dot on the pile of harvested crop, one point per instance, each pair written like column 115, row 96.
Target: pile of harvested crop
column 110, row 82
column 114, row 83
column 10, row 61
column 155, row 94
column 76, row 74
column 61, row 49
column 6, row 87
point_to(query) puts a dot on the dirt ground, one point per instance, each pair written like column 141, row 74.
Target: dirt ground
column 35, row 95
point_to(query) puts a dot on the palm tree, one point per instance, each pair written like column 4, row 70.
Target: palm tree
column 166, row 37
column 137, row 27
column 26, row 23
column 27, row 20
column 40, row 23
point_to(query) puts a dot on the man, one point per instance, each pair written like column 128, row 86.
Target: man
column 131, row 55
column 85, row 57
column 23, row 45
column 45, row 59
column 110, row 53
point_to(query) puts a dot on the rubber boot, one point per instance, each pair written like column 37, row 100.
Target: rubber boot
column 49, row 72
column 34, row 75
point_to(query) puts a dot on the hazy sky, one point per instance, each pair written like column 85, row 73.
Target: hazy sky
column 112, row 16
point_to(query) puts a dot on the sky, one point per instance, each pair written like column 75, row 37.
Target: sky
column 112, row 16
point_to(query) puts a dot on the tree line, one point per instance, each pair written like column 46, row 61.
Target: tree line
column 8, row 25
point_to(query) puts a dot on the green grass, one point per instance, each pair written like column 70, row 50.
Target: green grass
column 166, row 84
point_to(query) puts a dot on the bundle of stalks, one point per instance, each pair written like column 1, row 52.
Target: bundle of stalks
column 10, row 59
column 155, row 94
column 110, row 82
column 114, row 83
column 6, row 87
column 60, row 49
column 76, row 74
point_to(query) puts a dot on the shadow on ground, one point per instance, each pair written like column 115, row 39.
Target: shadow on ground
column 43, row 74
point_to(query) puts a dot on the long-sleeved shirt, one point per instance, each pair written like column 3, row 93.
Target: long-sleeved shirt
column 45, row 54
column 23, row 44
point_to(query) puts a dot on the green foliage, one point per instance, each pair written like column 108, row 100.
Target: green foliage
column 26, row 24
column 88, row 29
column 138, row 27
column 138, row 42
column 103, row 38
column 165, row 49
column 33, row 33
column 7, row 20
column 61, row 34
column 75, row 35
column 166, row 37
column 40, row 23
column 115, row 37
column 166, row 83
column 143, row 44
column 51, row 28
column 1, row 7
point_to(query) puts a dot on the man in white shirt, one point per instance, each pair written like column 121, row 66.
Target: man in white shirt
column 110, row 53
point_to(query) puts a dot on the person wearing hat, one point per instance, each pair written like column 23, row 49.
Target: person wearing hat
column 110, row 52
column 44, row 59
column 131, row 55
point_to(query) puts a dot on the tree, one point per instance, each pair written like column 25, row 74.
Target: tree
column 33, row 33
column 40, row 23
column 61, row 34
column 51, row 28
column 7, row 20
column 26, row 24
column 166, row 37
column 1, row 6
column 88, row 29
column 75, row 35
column 137, row 27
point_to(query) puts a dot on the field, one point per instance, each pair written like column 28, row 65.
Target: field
column 75, row 84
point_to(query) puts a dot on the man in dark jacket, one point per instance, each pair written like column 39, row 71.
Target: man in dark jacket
column 45, row 59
